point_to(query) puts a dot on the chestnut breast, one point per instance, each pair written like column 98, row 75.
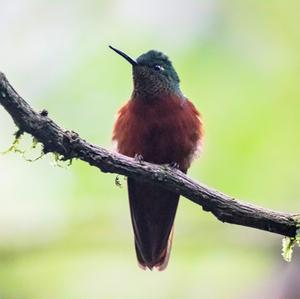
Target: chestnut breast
column 162, row 131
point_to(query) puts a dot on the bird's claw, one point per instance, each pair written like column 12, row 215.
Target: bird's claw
column 138, row 158
column 174, row 165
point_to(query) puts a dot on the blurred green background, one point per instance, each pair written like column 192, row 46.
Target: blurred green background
column 66, row 232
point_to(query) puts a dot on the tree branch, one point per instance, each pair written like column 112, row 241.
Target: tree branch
column 69, row 145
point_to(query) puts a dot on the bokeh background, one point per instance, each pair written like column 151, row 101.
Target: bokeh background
column 65, row 232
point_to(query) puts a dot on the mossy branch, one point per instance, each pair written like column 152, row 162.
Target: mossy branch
column 68, row 145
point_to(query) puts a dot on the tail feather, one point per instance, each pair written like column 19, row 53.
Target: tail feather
column 167, row 252
column 153, row 211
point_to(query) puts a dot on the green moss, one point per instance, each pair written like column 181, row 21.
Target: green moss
column 16, row 147
column 287, row 248
column 60, row 161
column 289, row 243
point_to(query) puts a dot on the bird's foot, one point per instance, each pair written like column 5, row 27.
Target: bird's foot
column 138, row 158
column 171, row 166
column 174, row 165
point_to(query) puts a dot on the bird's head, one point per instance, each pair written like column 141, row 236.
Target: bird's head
column 153, row 74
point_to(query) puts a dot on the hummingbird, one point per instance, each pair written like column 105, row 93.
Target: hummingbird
column 158, row 124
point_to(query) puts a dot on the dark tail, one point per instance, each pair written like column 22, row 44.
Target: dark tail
column 153, row 211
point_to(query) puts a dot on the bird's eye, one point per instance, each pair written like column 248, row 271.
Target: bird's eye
column 158, row 67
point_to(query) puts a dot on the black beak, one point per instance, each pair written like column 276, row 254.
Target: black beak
column 129, row 59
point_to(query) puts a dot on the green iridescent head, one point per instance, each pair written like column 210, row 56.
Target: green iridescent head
column 153, row 74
